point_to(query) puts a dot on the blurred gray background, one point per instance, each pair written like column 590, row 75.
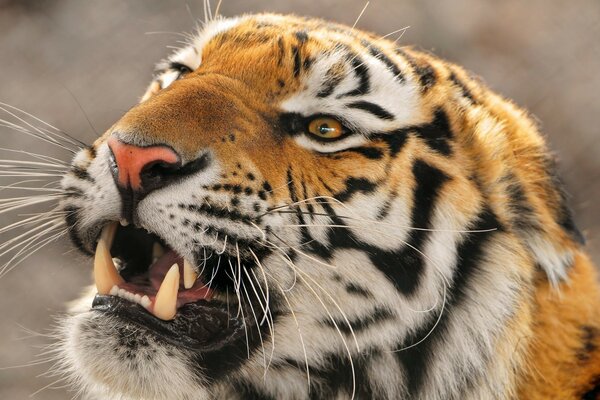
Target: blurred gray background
column 61, row 58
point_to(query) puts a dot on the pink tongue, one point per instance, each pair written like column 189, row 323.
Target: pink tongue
column 159, row 269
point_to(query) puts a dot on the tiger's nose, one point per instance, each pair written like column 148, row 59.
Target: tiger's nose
column 142, row 169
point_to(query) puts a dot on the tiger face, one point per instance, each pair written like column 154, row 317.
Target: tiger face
column 299, row 209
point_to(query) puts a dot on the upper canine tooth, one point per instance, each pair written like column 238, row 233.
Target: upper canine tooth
column 189, row 274
column 105, row 272
column 165, row 304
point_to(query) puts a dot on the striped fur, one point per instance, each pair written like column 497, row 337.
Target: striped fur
column 429, row 254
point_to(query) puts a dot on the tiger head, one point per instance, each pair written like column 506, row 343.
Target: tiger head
column 297, row 208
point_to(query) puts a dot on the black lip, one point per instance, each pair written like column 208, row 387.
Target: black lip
column 201, row 326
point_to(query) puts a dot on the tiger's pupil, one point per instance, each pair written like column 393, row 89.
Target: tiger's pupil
column 325, row 129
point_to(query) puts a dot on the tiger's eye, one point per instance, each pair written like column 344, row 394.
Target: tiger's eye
column 326, row 128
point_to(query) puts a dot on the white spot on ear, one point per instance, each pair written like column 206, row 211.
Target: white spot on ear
column 554, row 261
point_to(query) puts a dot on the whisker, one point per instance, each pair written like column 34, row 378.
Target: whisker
column 38, row 133
column 262, row 344
column 369, row 221
column 15, row 261
column 297, row 328
column 52, row 161
column 75, row 141
column 267, row 316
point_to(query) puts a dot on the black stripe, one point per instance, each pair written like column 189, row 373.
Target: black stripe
column 594, row 393
column 359, row 324
column 372, row 108
column 332, row 81
column 312, row 245
column 302, row 36
column 71, row 217
column 81, row 174
column 297, row 61
column 372, row 153
column 463, row 87
column 437, row 133
column 565, row 217
column 380, row 55
column 523, row 214
column 588, row 343
column 404, row 267
column 72, row 191
column 387, row 206
column 218, row 212
column 308, row 204
column 364, row 80
column 334, row 379
column 395, row 140
column 308, row 61
column 356, row 289
column 421, row 68
column 470, row 252
column 245, row 390
column 281, row 50
column 355, row 185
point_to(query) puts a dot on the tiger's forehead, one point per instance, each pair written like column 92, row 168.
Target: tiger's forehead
column 253, row 30
column 307, row 66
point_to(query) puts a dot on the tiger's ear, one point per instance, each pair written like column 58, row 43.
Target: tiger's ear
column 515, row 165
column 559, row 239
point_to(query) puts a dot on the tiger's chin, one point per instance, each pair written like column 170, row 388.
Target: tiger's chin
column 107, row 357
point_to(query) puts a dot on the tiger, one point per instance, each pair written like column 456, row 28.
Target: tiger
column 299, row 209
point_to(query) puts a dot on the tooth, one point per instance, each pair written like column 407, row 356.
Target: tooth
column 118, row 263
column 123, row 222
column 189, row 274
column 165, row 304
column 105, row 272
column 114, row 291
column 157, row 251
column 146, row 301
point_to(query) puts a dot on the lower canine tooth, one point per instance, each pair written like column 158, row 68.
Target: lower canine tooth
column 189, row 274
column 105, row 272
column 165, row 304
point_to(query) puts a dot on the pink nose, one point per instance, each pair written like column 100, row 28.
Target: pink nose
column 132, row 161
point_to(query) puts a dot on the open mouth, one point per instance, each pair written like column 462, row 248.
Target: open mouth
column 139, row 278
